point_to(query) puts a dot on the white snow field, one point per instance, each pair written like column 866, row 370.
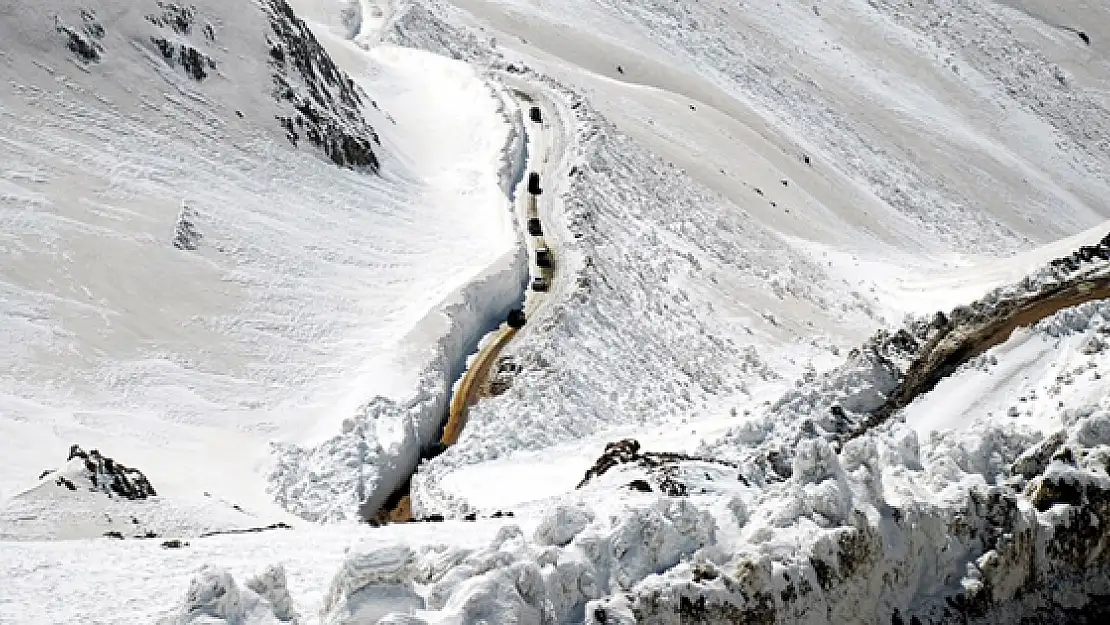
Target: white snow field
column 737, row 403
column 312, row 287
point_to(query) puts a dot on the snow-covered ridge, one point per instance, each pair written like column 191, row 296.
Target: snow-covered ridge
column 893, row 368
column 327, row 105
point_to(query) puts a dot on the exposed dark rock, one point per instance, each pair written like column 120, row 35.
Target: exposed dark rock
column 663, row 467
column 326, row 106
column 115, row 535
column 84, row 42
column 640, row 485
column 180, row 21
column 109, row 476
column 174, row 544
column 185, row 235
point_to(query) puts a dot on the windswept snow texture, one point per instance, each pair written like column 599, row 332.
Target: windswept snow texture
column 182, row 285
column 736, row 404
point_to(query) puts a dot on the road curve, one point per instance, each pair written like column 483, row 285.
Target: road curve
column 470, row 387
column 466, row 395
column 469, row 390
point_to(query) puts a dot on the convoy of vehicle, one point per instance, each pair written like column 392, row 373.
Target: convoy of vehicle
column 545, row 260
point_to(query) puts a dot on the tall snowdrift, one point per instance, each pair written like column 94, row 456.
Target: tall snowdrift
column 993, row 524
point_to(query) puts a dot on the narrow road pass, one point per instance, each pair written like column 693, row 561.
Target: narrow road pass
column 473, row 385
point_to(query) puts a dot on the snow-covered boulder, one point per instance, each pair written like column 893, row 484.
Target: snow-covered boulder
column 214, row 598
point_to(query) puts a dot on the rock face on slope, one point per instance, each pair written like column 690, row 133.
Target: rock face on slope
column 230, row 58
column 104, row 474
column 326, row 104
column 666, row 472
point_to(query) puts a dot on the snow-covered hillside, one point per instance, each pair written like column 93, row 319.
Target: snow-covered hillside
column 825, row 340
column 200, row 261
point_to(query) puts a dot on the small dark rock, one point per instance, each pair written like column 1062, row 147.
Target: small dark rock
column 640, row 485
column 115, row 535
column 174, row 544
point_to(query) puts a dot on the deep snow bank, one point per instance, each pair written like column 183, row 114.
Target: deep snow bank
column 215, row 596
column 987, row 525
column 352, row 473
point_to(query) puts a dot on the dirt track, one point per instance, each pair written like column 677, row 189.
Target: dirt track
column 952, row 348
column 470, row 387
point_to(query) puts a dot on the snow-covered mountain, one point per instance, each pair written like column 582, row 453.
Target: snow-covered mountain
column 824, row 339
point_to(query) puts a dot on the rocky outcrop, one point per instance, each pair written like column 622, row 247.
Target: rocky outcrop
column 83, row 42
column 325, row 107
column 175, row 47
column 666, row 472
column 106, row 475
column 186, row 236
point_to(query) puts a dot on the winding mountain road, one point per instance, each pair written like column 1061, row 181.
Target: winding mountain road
column 548, row 143
column 546, row 153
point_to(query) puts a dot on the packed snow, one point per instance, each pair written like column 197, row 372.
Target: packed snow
column 794, row 364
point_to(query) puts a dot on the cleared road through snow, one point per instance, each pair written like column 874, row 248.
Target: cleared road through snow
column 469, row 388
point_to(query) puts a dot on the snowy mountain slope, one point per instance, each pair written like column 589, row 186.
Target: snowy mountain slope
column 304, row 276
column 695, row 315
column 1002, row 518
column 955, row 158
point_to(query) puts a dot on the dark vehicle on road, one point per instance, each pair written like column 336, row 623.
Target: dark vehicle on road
column 535, row 114
column 516, row 318
column 543, row 258
column 539, row 283
column 534, row 227
column 534, row 184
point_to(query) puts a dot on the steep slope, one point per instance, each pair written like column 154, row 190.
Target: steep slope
column 720, row 414
column 215, row 236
